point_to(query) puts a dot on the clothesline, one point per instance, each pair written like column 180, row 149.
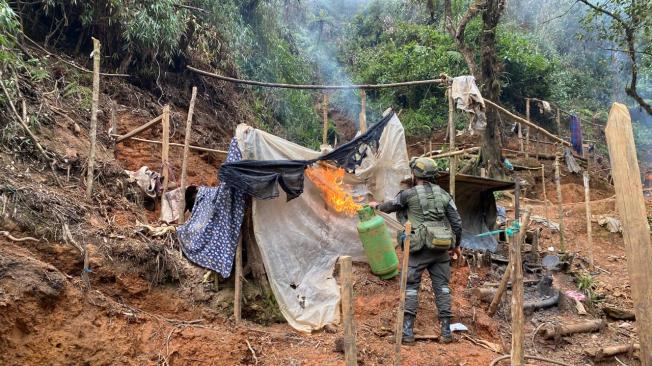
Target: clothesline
column 565, row 112
column 309, row 86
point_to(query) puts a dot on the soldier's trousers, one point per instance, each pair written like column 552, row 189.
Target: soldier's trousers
column 438, row 265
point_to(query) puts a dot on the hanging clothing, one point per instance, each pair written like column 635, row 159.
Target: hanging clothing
column 467, row 97
column 576, row 134
column 171, row 206
column 260, row 178
column 210, row 237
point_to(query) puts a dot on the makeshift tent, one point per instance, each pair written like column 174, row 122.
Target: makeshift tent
column 300, row 240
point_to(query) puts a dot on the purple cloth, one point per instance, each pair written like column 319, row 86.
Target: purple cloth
column 210, row 237
column 576, row 134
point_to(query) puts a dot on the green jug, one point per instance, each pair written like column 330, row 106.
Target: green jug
column 377, row 243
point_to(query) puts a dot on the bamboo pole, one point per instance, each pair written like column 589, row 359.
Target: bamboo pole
column 165, row 150
column 452, row 163
column 114, row 119
column 324, row 113
column 527, row 123
column 545, row 196
column 363, row 111
column 138, row 130
column 587, row 201
column 90, row 172
column 527, row 129
column 558, row 121
column 186, row 151
column 560, row 207
column 350, row 352
column 398, row 331
column 518, row 318
column 237, row 296
column 633, row 215
column 174, row 144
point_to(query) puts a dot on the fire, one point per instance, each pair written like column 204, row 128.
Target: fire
column 329, row 181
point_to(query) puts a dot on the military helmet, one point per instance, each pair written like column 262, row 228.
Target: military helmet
column 423, row 167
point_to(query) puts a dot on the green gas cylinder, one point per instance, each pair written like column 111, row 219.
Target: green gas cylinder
column 377, row 243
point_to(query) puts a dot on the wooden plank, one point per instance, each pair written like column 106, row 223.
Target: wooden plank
column 186, row 151
column 398, row 330
column 633, row 216
column 138, row 130
column 518, row 318
column 165, row 151
column 90, row 172
column 560, row 206
column 237, row 296
column 350, row 352
column 452, row 162
column 363, row 111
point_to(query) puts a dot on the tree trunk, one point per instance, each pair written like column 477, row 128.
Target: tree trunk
column 490, row 67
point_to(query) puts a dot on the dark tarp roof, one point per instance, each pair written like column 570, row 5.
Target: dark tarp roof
column 477, row 207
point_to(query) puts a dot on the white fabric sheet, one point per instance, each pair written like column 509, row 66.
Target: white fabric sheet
column 301, row 240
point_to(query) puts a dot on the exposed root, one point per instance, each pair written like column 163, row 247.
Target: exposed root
column 7, row 235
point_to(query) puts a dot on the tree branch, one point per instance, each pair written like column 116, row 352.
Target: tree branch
column 458, row 33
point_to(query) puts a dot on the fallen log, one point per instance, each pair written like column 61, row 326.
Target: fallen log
column 558, row 331
column 601, row 353
column 619, row 314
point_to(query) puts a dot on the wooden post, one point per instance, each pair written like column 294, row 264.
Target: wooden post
column 90, row 173
column 237, row 296
column 165, row 150
column 545, row 196
column 452, row 162
column 186, row 151
column 398, row 331
column 350, row 351
column 527, row 129
column 363, row 111
column 517, row 197
column 587, row 203
column 518, row 318
column 114, row 119
column 503, row 285
column 636, row 230
column 560, row 207
column 559, row 124
column 324, row 112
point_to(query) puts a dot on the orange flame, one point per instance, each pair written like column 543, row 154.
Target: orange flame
column 329, row 181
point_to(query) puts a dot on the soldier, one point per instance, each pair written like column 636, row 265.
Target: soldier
column 436, row 231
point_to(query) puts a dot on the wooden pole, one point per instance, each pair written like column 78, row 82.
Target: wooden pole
column 114, row 119
column 90, row 173
column 545, row 196
column 527, row 123
column 174, row 144
column 469, row 150
column 502, row 287
column 398, row 331
column 237, row 296
column 452, row 162
column 527, row 129
column 186, row 151
column 324, row 112
column 518, row 318
column 636, row 230
column 363, row 111
column 587, row 202
column 560, row 207
column 558, row 123
column 139, row 130
column 165, row 150
column 350, row 352
column 517, row 197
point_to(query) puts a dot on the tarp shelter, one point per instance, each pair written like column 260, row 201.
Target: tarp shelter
column 300, row 240
column 474, row 197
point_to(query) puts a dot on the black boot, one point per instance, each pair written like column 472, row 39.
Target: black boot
column 408, row 328
column 446, row 334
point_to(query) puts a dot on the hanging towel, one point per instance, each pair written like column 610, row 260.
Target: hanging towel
column 210, row 237
column 576, row 134
column 467, row 97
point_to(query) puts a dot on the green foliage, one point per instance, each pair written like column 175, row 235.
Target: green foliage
column 587, row 284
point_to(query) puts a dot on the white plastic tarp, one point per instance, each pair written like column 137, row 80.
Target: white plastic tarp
column 300, row 240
